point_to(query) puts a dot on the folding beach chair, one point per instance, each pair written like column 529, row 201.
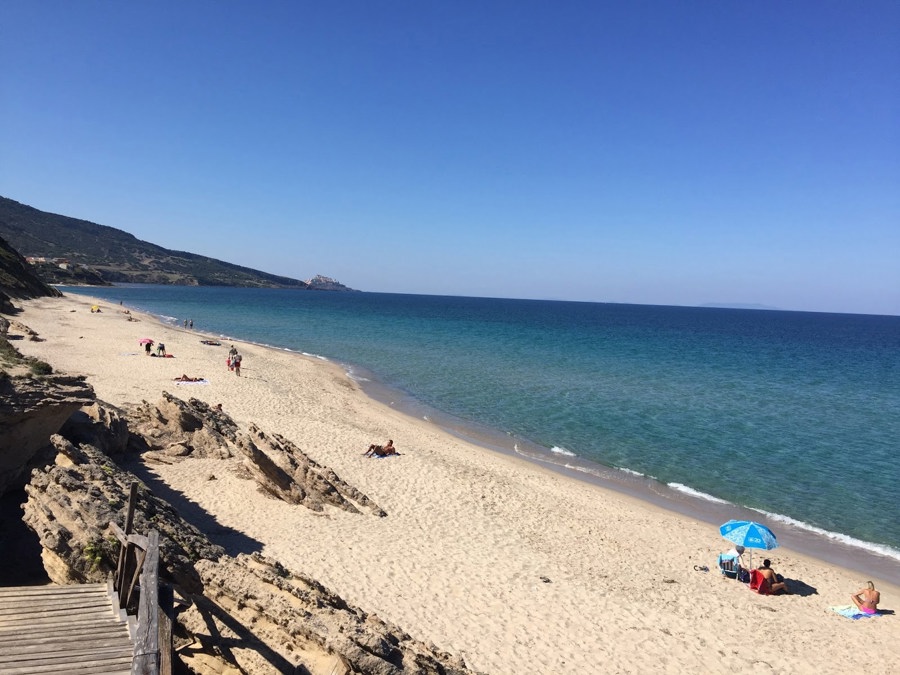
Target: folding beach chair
column 729, row 565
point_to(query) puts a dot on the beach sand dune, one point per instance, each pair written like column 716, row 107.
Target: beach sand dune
column 514, row 567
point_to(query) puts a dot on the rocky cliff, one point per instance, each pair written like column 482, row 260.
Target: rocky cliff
column 18, row 280
column 31, row 410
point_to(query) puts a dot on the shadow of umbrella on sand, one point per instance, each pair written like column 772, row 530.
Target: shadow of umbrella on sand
column 749, row 534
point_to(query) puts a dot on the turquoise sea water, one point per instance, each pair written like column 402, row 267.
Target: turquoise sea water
column 794, row 414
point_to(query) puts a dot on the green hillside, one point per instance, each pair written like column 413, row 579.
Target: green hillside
column 99, row 254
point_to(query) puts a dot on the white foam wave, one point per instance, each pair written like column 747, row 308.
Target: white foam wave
column 845, row 539
column 678, row 487
column 584, row 469
column 562, row 451
column 632, row 472
column 356, row 378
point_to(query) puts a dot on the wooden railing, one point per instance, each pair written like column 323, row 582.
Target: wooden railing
column 137, row 573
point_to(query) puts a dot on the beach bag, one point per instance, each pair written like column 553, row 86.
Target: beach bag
column 744, row 576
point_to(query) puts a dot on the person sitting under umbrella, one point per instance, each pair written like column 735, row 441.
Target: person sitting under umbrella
column 738, row 554
column 776, row 581
column 739, row 570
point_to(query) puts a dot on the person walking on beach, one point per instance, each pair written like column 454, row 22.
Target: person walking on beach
column 867, row 599
column 185, row 323
column 191, row 324
column 236, row 364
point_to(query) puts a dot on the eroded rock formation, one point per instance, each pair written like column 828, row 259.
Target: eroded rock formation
column 171, row 428
column 289, row 620
column 285, row 471
column 72, row 503
column 31, row 410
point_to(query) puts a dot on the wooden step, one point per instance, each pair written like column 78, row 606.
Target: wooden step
column 62, row 629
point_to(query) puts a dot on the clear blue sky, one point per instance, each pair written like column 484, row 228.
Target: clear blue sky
column 650, row 152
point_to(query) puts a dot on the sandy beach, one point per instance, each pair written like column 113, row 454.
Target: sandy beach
column 514, row 567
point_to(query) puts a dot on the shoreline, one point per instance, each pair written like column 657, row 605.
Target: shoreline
column 470, row 530
column 830, row 547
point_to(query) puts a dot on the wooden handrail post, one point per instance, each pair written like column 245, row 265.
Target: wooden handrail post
column 126, row 548
column 166, row 619
column 146, row 643
column 155, row 613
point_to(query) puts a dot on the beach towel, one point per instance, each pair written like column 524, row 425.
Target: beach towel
column 759, row 583
column 198, row 382
column 852, row 612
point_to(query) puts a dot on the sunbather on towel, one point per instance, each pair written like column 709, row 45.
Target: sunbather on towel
column 867, row 599
column 185, row 378
column 381, row 450
column 776, row 582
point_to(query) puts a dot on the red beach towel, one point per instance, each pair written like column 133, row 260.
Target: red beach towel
column 759, row 583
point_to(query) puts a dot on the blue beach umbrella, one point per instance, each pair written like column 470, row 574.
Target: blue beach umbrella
column 749, row 534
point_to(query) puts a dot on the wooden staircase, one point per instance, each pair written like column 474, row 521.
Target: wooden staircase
column 75, row 630
column 86, row 629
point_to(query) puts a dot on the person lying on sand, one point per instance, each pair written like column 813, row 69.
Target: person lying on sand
column 381, row 450
column 185, row 378
column 867, row 599
column 776, row 581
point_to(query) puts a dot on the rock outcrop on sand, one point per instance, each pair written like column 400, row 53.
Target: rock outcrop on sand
column 275, row 606
column 172, row 430
column 286, row 472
